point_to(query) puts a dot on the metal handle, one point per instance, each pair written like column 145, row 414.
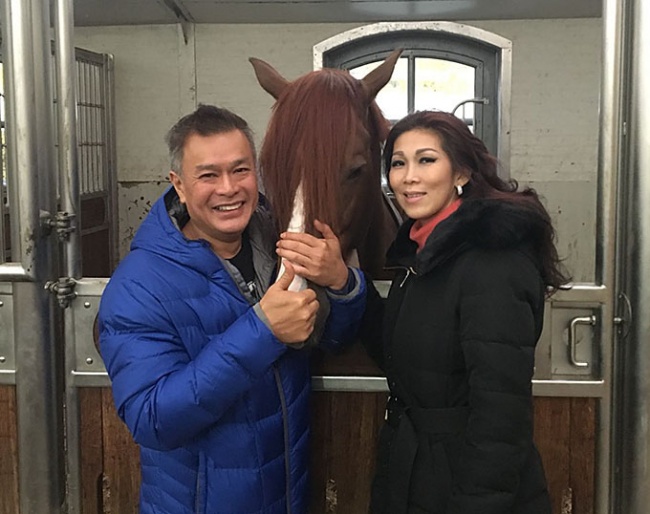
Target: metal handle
column 573, row 338
column 484, row 101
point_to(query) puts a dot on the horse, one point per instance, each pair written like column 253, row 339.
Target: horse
column 321, row 158
column 322, row 148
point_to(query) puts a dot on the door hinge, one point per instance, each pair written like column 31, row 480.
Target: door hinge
column 61, row 222
column 63, row 288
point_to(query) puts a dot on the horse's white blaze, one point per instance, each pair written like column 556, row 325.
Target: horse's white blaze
column 296, row 224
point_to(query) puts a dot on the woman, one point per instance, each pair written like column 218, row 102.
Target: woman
column 473, row 264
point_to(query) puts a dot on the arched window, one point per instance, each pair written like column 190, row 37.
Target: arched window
column 444, row 66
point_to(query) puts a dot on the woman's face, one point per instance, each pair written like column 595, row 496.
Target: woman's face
column 421, row 174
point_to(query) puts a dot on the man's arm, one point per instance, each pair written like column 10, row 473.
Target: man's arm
column 166, row 393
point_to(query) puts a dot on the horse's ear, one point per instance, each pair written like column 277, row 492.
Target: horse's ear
column 380, row 76
column 272, row 82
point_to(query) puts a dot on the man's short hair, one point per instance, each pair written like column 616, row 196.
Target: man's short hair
column 205, row 121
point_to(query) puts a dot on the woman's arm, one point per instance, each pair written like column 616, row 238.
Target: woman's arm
column 500, row 298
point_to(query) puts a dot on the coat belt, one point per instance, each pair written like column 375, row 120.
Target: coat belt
column 409, row 422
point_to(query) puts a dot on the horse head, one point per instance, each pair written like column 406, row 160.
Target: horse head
column 324, row 140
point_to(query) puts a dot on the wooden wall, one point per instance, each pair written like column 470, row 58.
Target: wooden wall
column 345, row 427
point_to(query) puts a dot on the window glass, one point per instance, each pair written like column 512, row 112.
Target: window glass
column 441, row 85
column 393, row 98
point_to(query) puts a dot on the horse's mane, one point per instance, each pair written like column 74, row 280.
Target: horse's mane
column 306, row 139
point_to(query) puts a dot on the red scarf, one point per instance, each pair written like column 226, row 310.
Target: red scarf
column 420, row 231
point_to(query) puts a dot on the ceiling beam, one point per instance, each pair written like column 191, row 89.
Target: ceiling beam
column 182, row 15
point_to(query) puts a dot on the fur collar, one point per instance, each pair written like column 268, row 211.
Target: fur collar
column 478, row 223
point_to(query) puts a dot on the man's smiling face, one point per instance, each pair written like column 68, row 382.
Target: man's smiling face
column 218, row 185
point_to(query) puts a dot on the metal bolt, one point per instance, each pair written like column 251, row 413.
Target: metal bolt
column 89, row 361
column 1, row 303
column 2, row 358
column 87, row 305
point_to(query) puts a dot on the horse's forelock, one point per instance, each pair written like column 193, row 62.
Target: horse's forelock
column 307, row 136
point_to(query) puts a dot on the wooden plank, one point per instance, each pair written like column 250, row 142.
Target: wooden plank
column 344, row 437
column 552, row 436
column 121, row 462
column 92, row 451
column 345, row 427
column 8, row 451
column 583, row 454
column 354, row 361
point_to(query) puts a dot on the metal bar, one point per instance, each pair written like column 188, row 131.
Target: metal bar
column 583, row 293
column 39, row 421
column 7, row 347
column 67, row 133
column 83, row 133
column 3, row 237
column 609, row 158
column 504, row 96
column 551, row 388
column 90, row 379
column 634, row 434
column 410, row 81
column 96, row 133
column 7, row 377
column 349, row 384
column 573, row 339
column 69, row 203
column 14, row 272
column 548, row 388
column 21, row 146
column 570, row 388
column 110, row 157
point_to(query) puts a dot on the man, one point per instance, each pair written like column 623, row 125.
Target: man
column 198, row 344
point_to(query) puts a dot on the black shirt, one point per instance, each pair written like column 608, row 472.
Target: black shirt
column 243, row 261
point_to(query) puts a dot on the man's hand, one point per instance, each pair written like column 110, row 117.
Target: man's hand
column 291, row 314
column 315, row 259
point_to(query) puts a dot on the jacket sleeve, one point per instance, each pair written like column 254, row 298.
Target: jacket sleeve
column 346, row 311
column 164, row 396
column 501, row 295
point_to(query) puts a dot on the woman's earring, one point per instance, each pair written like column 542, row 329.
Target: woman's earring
column 459, row 189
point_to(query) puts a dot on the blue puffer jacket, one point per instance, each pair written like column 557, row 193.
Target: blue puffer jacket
column 217, row 404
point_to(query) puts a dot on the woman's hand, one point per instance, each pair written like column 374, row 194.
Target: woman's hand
column 315, row 259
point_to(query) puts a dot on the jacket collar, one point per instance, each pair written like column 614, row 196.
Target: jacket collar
column 160, row 233
column 478, row 223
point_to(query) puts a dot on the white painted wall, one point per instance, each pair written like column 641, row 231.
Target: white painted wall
column 158, row 78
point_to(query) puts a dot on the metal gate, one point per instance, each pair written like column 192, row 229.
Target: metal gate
column 52, row 220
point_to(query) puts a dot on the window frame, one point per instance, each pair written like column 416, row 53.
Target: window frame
column 489, row 53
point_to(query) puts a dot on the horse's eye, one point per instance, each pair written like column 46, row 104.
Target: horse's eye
column 355, row 173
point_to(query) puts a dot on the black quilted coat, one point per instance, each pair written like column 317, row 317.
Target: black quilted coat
column 457, row 345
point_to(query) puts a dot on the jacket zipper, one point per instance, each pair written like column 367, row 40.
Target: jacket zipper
column 410, row 270
column 285, row 429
